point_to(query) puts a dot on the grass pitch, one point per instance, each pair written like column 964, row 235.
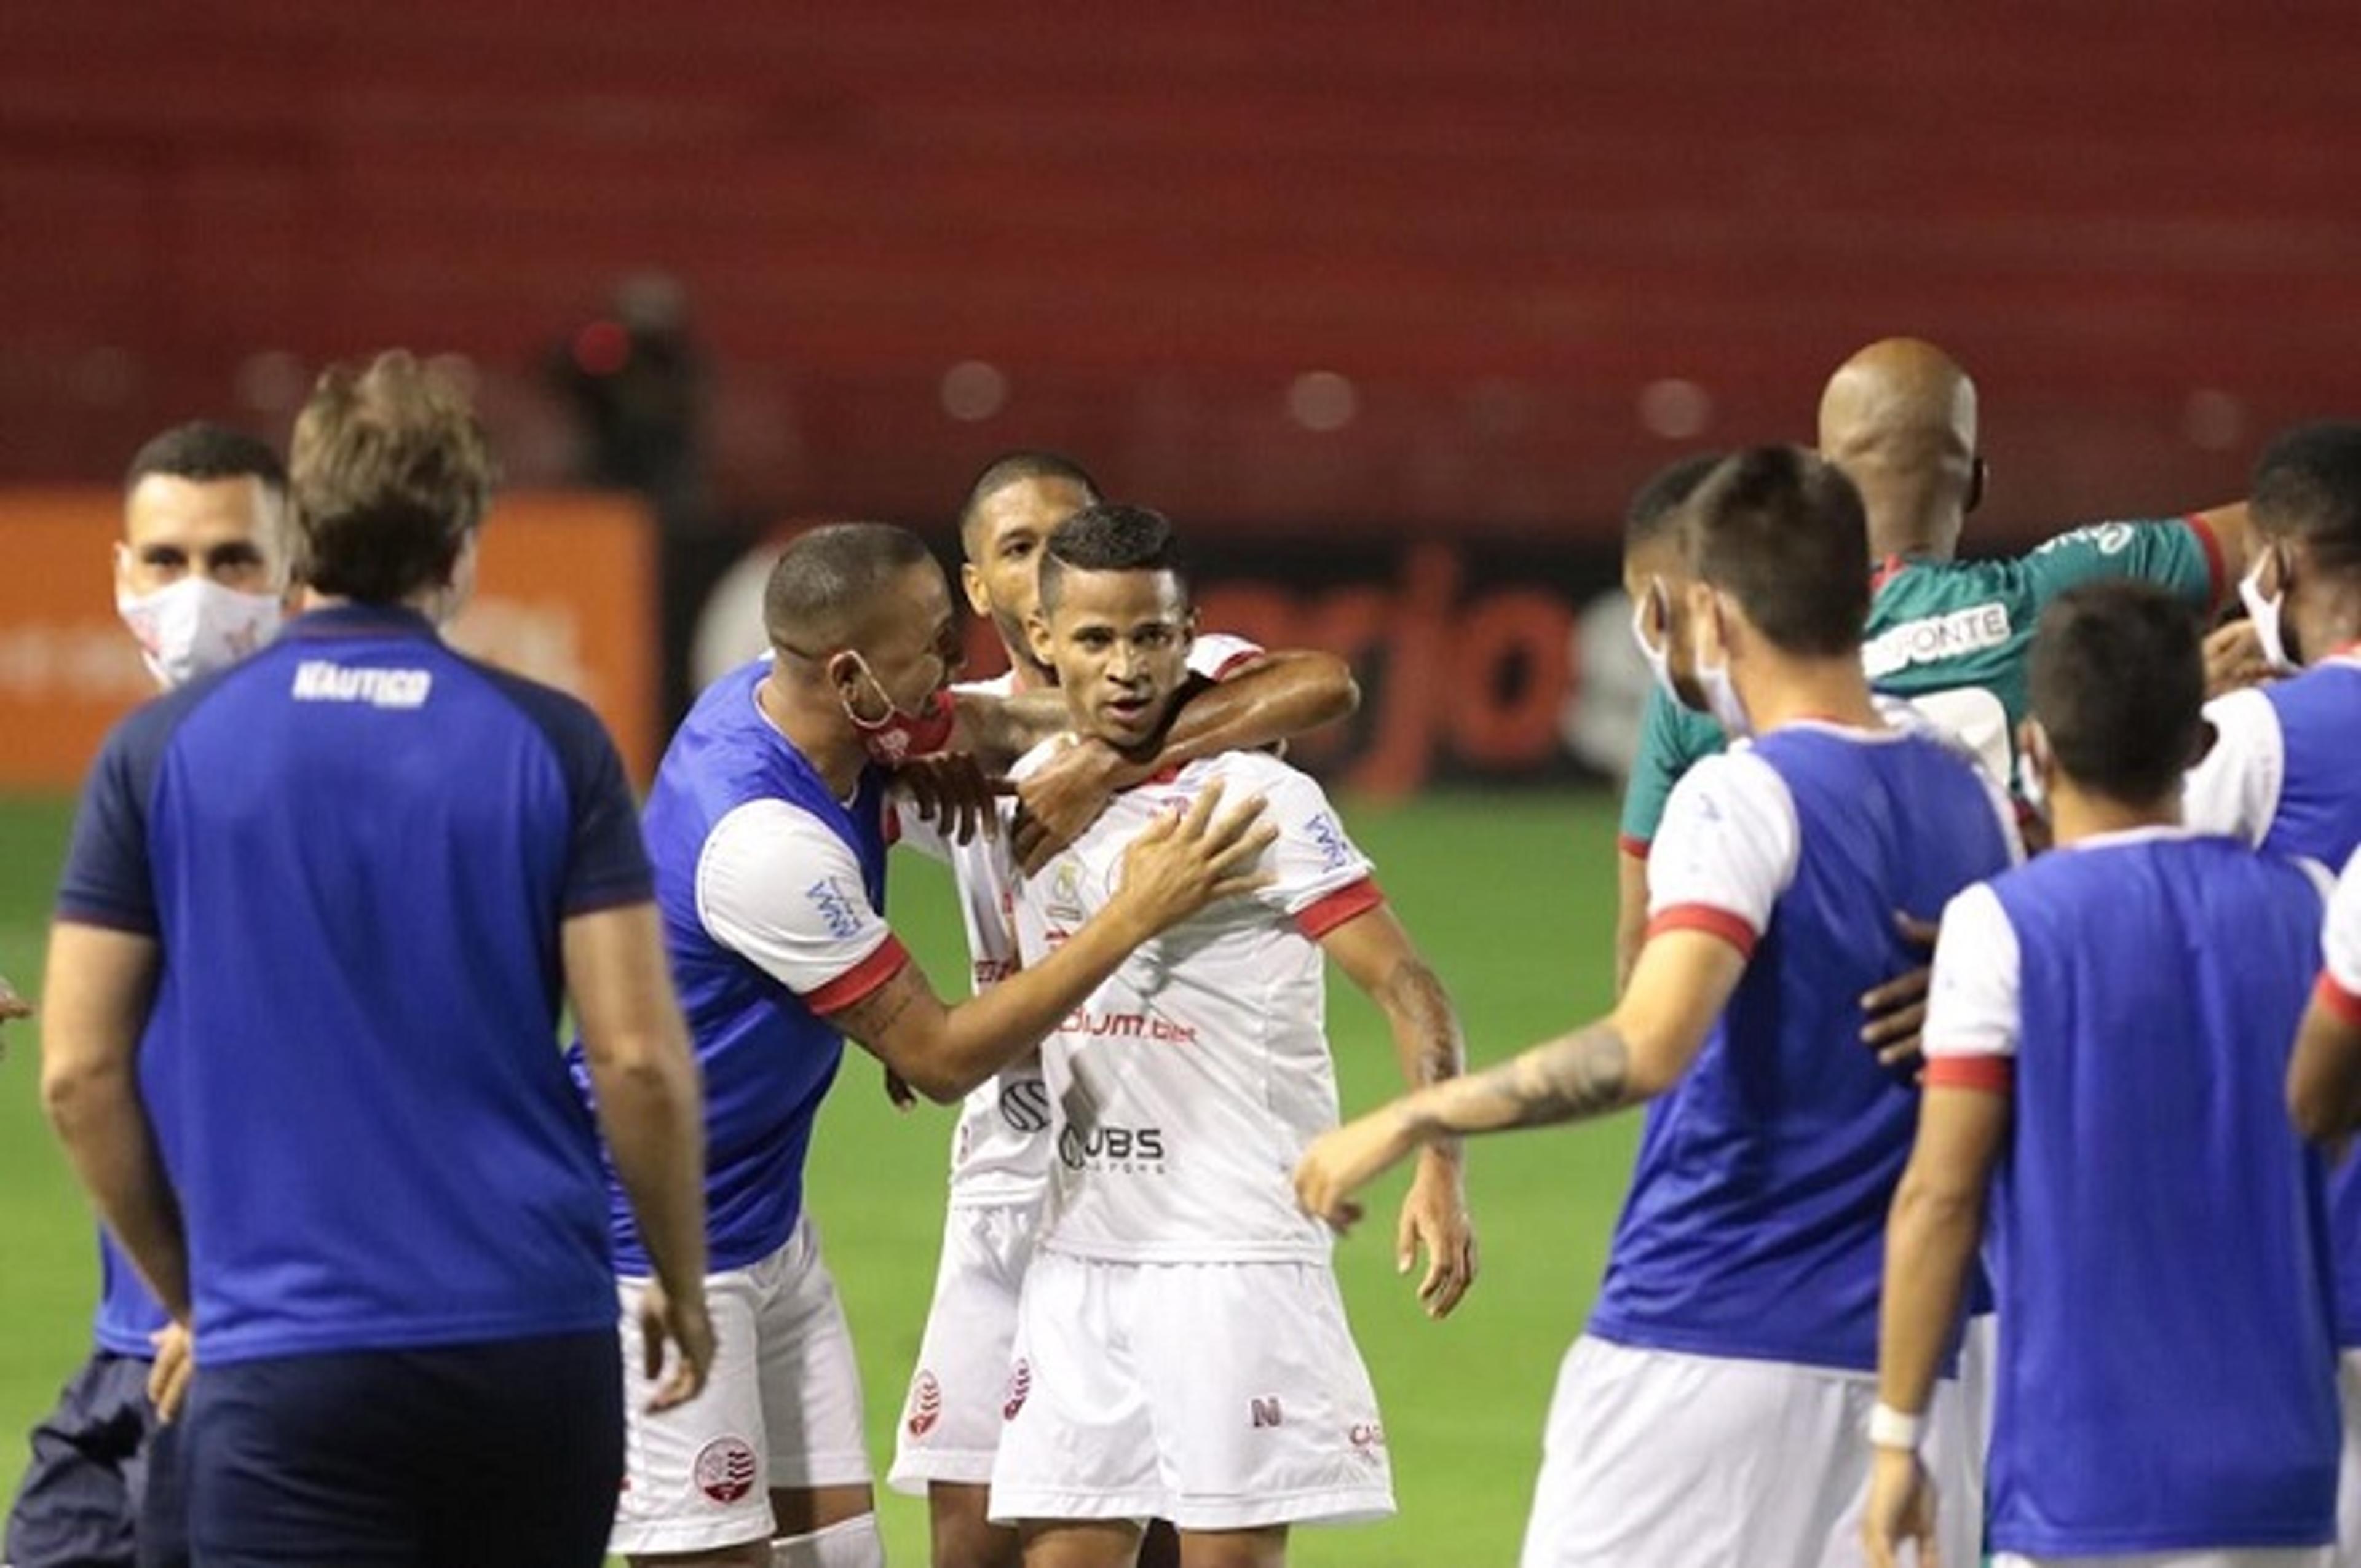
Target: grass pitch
column 1512, row 898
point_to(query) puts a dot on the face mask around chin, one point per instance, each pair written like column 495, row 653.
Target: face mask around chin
column 196, row 626
column 899, row 736
column 1657, row 658
column 2269, row 615
column 1721, row 699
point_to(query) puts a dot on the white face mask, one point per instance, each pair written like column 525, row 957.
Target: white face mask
column 196, row 626
column 1658, row 658
column 1721, row 699
column 2266, row 613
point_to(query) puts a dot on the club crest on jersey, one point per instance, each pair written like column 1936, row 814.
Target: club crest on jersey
column 725, row 1470
column 925, row 1404
column 1065, row 900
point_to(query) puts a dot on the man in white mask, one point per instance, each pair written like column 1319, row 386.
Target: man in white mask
column 195, row 576
column 198, row 582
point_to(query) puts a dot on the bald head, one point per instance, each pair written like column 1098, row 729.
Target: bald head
column 1899, row 418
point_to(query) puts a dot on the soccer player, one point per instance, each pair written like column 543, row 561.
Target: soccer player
column 1899, row 418
column 2105, row 1094
column 1000, row 1149
column 318, row 919
column 196, row 580
column 768, row 826
column 2281, row 773
column 1181, row 1351
column 1710, row 1412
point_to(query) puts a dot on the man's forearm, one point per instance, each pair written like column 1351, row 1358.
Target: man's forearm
column 1582, row 1075
column 650, row 1114
column 988, row 1031
column 1285, row 695
column 1428, row 1042
column 100, row 1120
column 1930, row 1239
column 996, row 730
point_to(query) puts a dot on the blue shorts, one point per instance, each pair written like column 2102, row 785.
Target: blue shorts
column 509, row 1453
column 100, row 1491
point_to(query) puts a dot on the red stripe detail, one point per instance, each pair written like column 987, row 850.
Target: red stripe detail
column 1635, row 848
column 862, row 980
column 1322, row 915
column 1992, row 1075
column 1885, row 571
column 2217, row 570
column 1236, row 662
column 2337, row 1000
column 893, row 827
column 1705, row 917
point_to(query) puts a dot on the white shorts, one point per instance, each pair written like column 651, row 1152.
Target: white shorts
column 1653, row 1456
column 2240, row 1557
column 951, row 1423
column 781, row 1409
column 2349, row 1479
column 1219, row 1396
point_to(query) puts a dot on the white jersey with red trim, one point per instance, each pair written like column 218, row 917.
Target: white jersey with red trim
column 1000, row 1150
column 1185, row 1089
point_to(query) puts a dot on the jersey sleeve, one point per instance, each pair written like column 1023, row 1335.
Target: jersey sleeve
column 107, row 880
column 2340, row 975
column 776, row 887
column 1973, row 1013
column 1672, row 741
column 2235, row 787
column 1217, row 655
column 1320, row 878
column 2180, row 555
column 1728, row 850
column 606, row 862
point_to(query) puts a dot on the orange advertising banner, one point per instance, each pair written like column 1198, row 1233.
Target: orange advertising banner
column 566, row 593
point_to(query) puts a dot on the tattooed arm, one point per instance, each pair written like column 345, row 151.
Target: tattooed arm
column 1678, row 988
column 1377, row 955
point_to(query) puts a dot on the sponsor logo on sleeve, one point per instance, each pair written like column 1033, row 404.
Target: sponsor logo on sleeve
column 1335, row 850
column 2106, row 538
column 837, row 908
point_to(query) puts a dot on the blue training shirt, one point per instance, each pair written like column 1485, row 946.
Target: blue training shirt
column 2158, row 1233
column 355, row 850
column 1755, row 1224
column 738, row 817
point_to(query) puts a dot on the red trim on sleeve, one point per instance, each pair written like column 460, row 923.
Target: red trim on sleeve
column 893, row 825
column 2217, row 570
column 2337, row 1000
column 862, row 980
column 1885, row 571
column 1236, row 662
column 1324, row 915
column 1993, row 1075
column 1705, row 917
column 1635, row 848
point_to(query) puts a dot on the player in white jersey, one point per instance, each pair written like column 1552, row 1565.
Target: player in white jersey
column 1000, row 1150
column 2324, row 1079
column 1181, row 1350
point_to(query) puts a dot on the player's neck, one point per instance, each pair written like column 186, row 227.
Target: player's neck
column 1907, row 527
column 2077, row 814
column 2334, row 628
column 1023, row 674
column 813, row 724
column 1793, row 691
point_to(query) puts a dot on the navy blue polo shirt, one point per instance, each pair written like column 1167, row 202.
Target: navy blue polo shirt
column 355, row 850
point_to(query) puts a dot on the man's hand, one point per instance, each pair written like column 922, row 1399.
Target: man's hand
column 2233, row 659
column 1185, row 861
column 168, row 1376
column 1345, row 1159
column 1901, row 1508
column 684, row 1324
column 1057, row 803
column 1434, row 1216
column 951, row 790
column 12, row 1006
column 898, row 1093
column 1898, row 1010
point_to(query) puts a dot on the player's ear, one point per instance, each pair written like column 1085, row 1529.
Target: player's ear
column 971, row 585
column 1979, row 475
column 1036, row 635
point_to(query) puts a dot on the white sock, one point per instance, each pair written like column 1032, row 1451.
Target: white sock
column 848, row 1543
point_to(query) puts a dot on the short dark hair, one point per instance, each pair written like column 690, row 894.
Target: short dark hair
column 1108, row 537
column 1781, row 531
column 2118, row 682
column 390, row 475
column 205, row 451
column 2308, row 484
column 1016, row 468
column 1655, row 504
column 822, row 589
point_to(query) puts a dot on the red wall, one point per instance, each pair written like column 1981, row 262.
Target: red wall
column 1500, row 221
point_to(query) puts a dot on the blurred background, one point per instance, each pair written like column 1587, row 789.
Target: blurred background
column 1388, row 305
